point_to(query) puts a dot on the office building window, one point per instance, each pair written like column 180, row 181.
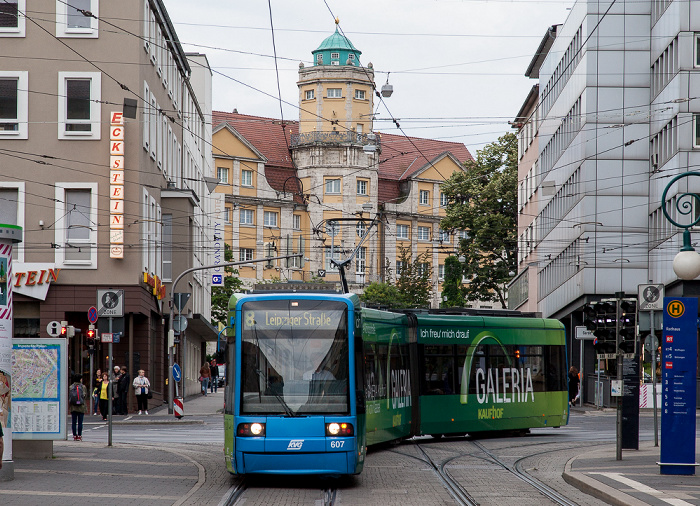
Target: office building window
column 361, row 187
column 361, row 229
column 335, row 255
column 222, row 174
column 13, row 104
column 12, row 23
column 76, row 226
column 444, row 236
column 443, row 200
column 247, row 217
column 71, row 22
column 334, row 93
column 441, row 271
column 79, row 107
column 359, row 94
column 332, row 185
column 270, row 218
column 167, row 220
column 296, row 221
column 361, row 265
column 402, row 231
column 246, row 178
column 309, row 95
column 399, row 268
column 423, row 268
column 227, row 214
column 246, row 254
column 424, row 198
column 423, row 233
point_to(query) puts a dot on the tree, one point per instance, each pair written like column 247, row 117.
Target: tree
column 483, row 201
column 414, row 281
column 382, row 294
column 220, row 295
column 452, row 289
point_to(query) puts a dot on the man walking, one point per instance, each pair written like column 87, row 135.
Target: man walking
column 123, row 391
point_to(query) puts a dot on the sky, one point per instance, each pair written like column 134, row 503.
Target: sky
column 457, row 66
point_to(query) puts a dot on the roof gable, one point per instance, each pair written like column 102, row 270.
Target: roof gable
column 229, row 142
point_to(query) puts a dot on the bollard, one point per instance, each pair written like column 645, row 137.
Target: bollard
column 178, row 408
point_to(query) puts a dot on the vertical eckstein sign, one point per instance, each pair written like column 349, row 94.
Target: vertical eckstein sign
column 116, row 185
column 678, row 372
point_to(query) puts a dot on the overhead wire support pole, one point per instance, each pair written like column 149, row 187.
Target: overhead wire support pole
column 171, row 334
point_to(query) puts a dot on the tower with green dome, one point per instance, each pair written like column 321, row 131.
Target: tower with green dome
column 336, row 50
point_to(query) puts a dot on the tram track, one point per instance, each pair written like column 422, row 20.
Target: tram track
column 234, row 493
column 460, row 493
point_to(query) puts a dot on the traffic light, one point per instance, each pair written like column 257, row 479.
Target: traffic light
column 64, row 328
column 602, row 346
column 628, row 326
column 91, row 334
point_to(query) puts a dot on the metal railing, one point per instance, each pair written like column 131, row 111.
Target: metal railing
column 335, row 137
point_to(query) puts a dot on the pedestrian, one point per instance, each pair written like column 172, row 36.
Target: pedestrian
column 97, row 386
column 104, row 395
column 117, row 404
column 141, row 386
column 204, row 377
column 214, row 386
column 2, row 446
column 78, row 402
column 574, row 384
column 123, row 390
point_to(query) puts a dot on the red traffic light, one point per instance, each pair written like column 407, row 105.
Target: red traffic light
column 91, row 334
column 64, row 331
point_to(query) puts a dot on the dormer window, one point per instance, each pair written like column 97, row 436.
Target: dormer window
column 319, row 59
column 335, row 56
column 351, row 56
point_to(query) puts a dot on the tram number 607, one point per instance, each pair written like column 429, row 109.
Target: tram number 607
column 337, row 444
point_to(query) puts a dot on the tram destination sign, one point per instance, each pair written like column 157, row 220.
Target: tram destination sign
column 275, row 319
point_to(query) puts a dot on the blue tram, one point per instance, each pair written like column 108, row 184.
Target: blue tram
column 314, row 379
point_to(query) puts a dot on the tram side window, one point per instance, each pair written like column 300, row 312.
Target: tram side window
column 555, row 360
column 439, row 377
column 375, row 367
column 492, row 363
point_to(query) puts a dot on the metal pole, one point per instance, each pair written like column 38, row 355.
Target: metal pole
column 619, row 377
column 172, row 309
column 580, row 373
column 90, row 382
column 598, row 402
column 652, row 336
column 109, row 387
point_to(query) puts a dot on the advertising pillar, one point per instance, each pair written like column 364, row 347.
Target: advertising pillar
column 9, row 235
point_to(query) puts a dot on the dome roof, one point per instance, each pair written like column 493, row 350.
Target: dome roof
column 337, row 41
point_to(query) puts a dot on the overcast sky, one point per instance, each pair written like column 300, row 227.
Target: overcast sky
column 457, row 67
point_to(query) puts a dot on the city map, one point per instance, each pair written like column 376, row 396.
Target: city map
column 35, row 372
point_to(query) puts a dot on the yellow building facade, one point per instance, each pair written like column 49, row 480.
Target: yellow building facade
column 330, row 186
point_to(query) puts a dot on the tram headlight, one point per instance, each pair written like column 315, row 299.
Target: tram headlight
column 254, row 429
column 339, row 429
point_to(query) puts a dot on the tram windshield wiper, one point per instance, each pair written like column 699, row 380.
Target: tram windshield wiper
column 286, row 407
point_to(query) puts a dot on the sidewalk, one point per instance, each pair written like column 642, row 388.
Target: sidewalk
column 635, row 480
column 139, row 474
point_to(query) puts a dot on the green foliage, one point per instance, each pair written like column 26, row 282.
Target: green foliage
column 483, row 201
column 383, row 294
column 414, row 279
column 452, row 289
column 220, row 295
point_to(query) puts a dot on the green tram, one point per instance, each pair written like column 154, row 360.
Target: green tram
column 314, row 379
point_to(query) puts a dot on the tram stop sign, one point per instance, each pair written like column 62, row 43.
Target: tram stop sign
column 177, row 373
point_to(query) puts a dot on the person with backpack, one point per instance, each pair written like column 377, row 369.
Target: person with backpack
column 78, row 402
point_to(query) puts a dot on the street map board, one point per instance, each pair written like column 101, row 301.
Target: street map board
column 39, row 388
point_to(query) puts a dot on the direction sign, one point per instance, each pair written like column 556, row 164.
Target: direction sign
column 583, row 333
column 110, row 302
column 650, row 297
column 217, row 280
column 92, row 315
column 177, row 373
column 106, row 337
column 53, row 329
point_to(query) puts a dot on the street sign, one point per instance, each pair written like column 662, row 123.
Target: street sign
column 181, row 299
column 650, row 297
column 177, row 373
column 92, row 315
column 322, row 273
column 110, row 303
column 106, row 337
column 116, row 337
column 583, row 333
column 217, row 280
column 53, row 329
column 179, row 323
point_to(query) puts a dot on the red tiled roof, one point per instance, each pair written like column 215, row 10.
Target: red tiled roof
column 266, row 134
column 400, row 158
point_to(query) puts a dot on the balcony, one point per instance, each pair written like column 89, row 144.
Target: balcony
column 370, row 142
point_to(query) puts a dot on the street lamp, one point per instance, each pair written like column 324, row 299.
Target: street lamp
column 686, row 264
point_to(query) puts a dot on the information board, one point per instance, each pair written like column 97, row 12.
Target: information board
column 678, row 371
column 39, row 389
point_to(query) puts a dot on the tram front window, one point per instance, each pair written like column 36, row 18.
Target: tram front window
column 294, row 357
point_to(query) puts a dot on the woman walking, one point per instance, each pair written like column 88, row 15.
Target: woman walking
column 78, row 401
column 141, row 386
column 574, row 383
column 96, row 391
column 204, row 377
column 104, row 395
